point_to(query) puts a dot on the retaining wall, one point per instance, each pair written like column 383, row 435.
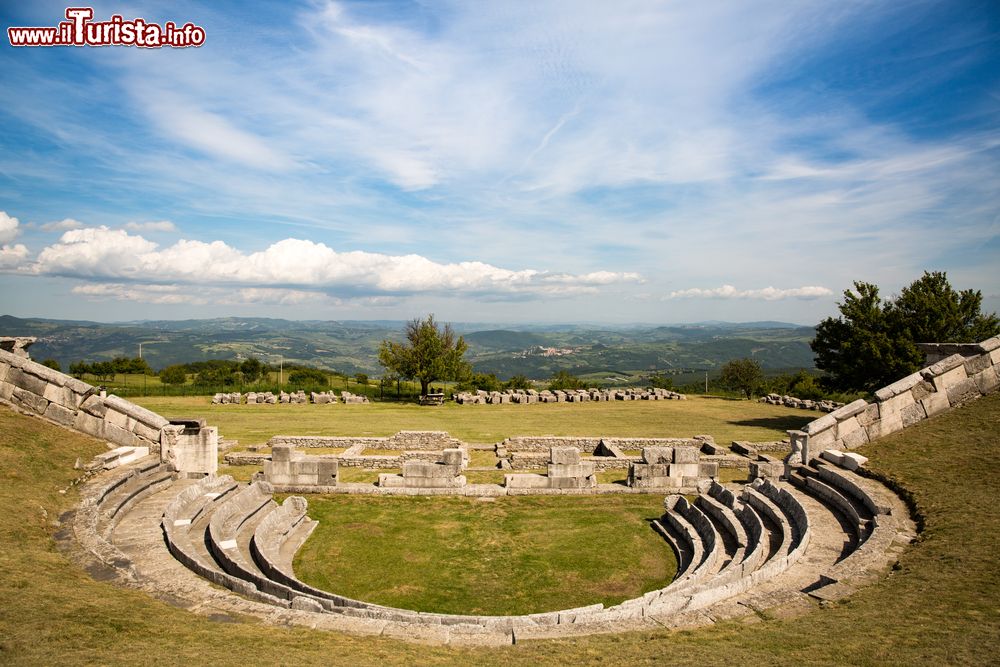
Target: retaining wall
column 956, row 379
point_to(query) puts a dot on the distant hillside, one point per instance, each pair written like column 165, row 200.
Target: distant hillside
column 537, row 351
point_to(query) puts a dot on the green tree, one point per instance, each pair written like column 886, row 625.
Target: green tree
column 302, row 377
column 361, row 378
column 661, row 381
column 53, row 364
column 484, row 381
column 175, row 374
column 744, row 375
column 430, row 353
column 79, row 369
column 565, row 380
column 873, row 341
column 518, row 382
column 252, row 369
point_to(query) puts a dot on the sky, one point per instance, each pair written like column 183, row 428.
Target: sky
column 548, row 161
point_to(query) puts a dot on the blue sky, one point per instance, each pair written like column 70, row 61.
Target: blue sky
column 559, row 161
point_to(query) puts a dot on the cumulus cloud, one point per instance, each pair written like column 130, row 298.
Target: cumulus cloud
column 105, row 254
column 765, row 294
column 13, row 256
column 62, row 225
column 8, row 228
column 156, row 226
column 159, row 294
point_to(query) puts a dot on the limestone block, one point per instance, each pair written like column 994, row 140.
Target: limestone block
column 119, row 419
column 60, row 415
column 963, row 391
column 849, row 410
column 61, row 395
column 847, row 426
column 658, row 454
column 94, row 405
column 521, row 481
column 564, row 455
column 708, row 469
column 853, row 460
column 834, row 456
column 572, row 482
column 4, row 367
column 683, row 470
column 822, row 439
column 686, row 455
column 977, row 364
column 453, row 457
column 869, row 415
column 78, row 386
column 6, row 390
column 389, row 480
column 935, row 403
column 282, row 453
column 89, row 424
column 885, row 426
column 995, row 356
column 990, row 344
column 898, row 387
column 922, row 390
column 28, row 400
column 895, row 404
column 987, row 380
column 19, row 378
column 817, row 425
column 949, row 378
column 118, row 435
column 943, row 366
column 912, row 414
column 568, row 470
column 855, row 438
column 144, row 431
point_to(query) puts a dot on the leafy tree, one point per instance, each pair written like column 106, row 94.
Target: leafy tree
column 744, row 375
column 873, row 342
column 518, row 382
column 661, row 381
column 175, row 374
column 216, row 376
column 103, row 369
column 484, row 381
column 302, row 377
column 361, row 378
column 431, row 353
column 79, row 369
column 565, row 380
column 252, row 369
column 53, row 364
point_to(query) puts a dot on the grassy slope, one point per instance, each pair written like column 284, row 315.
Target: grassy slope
column 516, row 555
column 722, row 418
column 940, row 606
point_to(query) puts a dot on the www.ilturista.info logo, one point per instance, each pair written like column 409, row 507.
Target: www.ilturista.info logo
column 80, row 30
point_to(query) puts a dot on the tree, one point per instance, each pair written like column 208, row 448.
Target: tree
column 53, row 364
column 743, row 375
column 431, row 353
column 252, row 369
column 518, row 382
column 565, row 380
column 361, row 378
column 301, row 377
column 874, row 342
column 661, row 381
column 484, row 381
column 79, row 368
column 175, row 374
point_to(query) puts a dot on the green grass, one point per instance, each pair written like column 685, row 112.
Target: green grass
column 940, row 606
column 513, row 555
column 725, row 419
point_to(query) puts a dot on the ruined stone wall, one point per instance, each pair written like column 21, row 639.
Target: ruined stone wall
column 64, row 400
column 950, row 382
column 403, row 440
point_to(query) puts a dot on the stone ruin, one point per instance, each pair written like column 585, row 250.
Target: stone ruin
column 190, row 445
column 801, row 403
column 565, row 471
column 296, row 397
column 675, row 469
column 443, row 474
column 290, row 471
column 527, row 396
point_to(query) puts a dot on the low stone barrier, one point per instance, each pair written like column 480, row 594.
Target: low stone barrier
column 948, row 383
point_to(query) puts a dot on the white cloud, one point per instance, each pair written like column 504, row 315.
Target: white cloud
column 155, row 226
column 765, row 294
column 158, row 294
column 62, row 225
column 110, row 255
column 8, row 228
column 13, row 256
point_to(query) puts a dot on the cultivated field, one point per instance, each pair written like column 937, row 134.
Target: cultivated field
column 939, row 606
column 725, row 419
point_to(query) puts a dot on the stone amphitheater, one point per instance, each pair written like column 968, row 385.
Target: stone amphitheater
column 154, row 515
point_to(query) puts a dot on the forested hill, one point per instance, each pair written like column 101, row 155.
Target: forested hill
column 536, row 351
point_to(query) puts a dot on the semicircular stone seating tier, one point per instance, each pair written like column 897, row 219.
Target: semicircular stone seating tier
column 738, row 548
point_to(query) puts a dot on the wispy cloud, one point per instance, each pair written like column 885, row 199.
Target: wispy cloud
column 765, row 294
column 62, row 225
column 154, row 226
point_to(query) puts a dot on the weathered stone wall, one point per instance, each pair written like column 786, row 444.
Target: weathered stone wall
column 952, row 381
column 403, row 440
column 37, row 389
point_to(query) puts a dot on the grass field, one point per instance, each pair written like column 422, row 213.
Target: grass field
column 517, row 555
column 725, row 419
column 940, row 606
